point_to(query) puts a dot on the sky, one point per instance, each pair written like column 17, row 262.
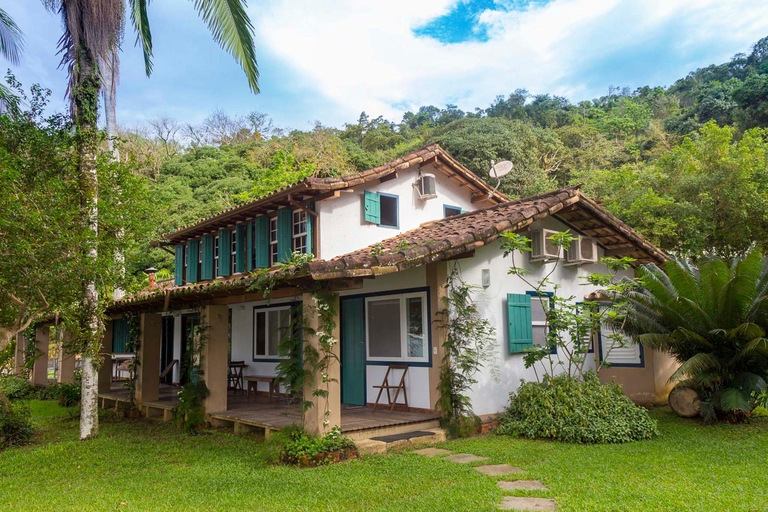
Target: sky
column 329, row 60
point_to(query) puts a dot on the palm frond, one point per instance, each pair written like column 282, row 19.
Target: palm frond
column 750, row 383
column 11, row 38
column 233, row 31
column 700, row 363
column 733, row 398
column 140, row 22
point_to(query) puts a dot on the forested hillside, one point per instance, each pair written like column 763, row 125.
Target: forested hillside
column 687, row 165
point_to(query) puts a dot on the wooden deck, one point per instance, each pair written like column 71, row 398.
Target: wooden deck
column 244, row 412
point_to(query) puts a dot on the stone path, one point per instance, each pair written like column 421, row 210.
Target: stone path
column 508, row 502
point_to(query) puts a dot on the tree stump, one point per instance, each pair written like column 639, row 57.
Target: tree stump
column 685, row 401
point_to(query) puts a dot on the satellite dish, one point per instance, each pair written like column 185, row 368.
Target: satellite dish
column 501, row 169
column 498, row 170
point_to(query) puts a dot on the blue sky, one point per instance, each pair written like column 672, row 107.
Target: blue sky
column 329, row 60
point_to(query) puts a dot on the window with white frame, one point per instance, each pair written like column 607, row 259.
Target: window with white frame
column 273, row 241
column 396, row 327
column 233, row 250
column 299, row 241
column 539, row 306
column 270, row 326
column 216, row 255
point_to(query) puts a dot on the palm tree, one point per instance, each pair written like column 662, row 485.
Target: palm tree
column 712, row 318
column 92, row 34
column 11, row 47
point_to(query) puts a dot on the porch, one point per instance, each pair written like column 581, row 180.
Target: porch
column 247, row 412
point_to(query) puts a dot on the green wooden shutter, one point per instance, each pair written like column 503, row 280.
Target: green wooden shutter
column 225, row 252
column 240, row 248
column 178, row 269
column 262, row 242
column 193, row 250
column 249, row 255
column 519, row 324
column 206, row 268
column 372, row 203
column 284, row 234
column 121, row 336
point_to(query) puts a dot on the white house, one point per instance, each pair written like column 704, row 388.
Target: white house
column 384, row 240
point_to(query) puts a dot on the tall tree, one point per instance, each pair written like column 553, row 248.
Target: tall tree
column 92, row 33
column 11, row 47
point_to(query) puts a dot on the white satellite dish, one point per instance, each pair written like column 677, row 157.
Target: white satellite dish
column 501, row 169
column 498, row 170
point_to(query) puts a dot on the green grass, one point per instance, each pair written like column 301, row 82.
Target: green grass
column 137, row 465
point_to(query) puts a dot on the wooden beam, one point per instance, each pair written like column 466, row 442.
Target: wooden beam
column 621, row 252
column 301, row 207
column 388, row 177
column 346, row 284
column 476, row 198
column 328, row 195
column 428, row 161
column 463, row 256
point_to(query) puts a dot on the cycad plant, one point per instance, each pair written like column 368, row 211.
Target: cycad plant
column 712, row 318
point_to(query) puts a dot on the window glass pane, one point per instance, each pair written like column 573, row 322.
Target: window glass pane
column 416, row 341
column 450, row 211
column 539, row 335
column 537, row 308
column 274, row 332
column 388, row 207
column 261, row 330
column 384, row 328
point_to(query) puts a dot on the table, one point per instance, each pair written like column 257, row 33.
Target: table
column 253, row 382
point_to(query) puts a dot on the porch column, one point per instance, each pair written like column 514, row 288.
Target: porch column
column 148, row 354
column 66, row 361
column 215, row 363
column 315, row 417
column 437, row 276
column 105, row 370
column 40, row 368
column 18, row 355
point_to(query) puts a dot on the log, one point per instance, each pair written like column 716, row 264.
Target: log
column 685, row 401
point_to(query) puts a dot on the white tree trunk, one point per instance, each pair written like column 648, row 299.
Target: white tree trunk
column 89, row 399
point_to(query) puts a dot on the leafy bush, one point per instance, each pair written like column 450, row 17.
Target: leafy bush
column 15, row 424
column 69, row 393
column 575, row 411
column 293, row 445
column 16, row 388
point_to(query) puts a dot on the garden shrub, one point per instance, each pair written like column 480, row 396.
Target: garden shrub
column 293, row 445
column 15, row 424
column 567, row 409
column 69, row 393
column 16, row 388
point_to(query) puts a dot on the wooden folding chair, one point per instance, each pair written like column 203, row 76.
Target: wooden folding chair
column 399, row 387
column 168, row 369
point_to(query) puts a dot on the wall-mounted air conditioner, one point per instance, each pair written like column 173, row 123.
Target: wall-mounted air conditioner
column 425, row 184
column 542, row 249
column 582, row 250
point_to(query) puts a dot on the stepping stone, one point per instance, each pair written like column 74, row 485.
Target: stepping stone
column 464, row 458
column 432, row 452
column 536, row 504
column 522, row 485
column 498, row 469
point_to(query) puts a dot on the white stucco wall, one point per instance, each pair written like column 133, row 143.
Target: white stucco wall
column 491, row 394
column 342, row 225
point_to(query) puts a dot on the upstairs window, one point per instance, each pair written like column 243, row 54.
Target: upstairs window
column 233, row 250
column 381, row 209
column 273, row 258
column 270, row 326
column 450, row 211
column 299, row 240
column 216, row 255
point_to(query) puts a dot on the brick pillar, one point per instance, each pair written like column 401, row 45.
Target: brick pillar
column 18, row 356
column 148, row 378
column 215, row 363
column 105, row 370
column 315, row 415
column 437, row 276
column 66, row 361
column 40, row 369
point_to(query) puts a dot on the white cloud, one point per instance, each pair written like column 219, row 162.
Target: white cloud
column 364, row 55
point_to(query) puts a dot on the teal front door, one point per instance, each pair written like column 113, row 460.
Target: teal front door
column 353, row 351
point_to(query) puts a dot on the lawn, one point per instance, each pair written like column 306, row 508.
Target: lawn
column 137, row 465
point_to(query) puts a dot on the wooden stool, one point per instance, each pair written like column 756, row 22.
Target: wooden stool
column 253, row 383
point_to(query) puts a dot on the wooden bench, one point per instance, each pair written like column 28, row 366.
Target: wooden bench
column 253, row 382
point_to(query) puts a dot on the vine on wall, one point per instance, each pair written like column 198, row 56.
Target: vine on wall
column 134, row 343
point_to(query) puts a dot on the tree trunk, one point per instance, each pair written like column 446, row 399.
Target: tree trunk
column 85, row 95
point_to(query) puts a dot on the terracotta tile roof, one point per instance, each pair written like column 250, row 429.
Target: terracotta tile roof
column 439, row 240
column 312, row 186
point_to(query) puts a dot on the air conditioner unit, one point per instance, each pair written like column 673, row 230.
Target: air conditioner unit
column 426, row 186
column 582, row 250
column 542, row 249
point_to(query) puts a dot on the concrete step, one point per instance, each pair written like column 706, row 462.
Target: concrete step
column 359, row 435
column 400, row 441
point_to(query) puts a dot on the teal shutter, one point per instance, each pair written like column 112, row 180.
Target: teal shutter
column 240, row 248
column 519, row 324
column 249, row 255
column 261, row 242
column 284, row 234
column 225, row 252
column 121, row 336
column 193, row 250
column 206, row 268
column 372, row 203
column 178, row 269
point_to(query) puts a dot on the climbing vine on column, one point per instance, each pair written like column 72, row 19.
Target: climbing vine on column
column 190, row 413
column 134, row 344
